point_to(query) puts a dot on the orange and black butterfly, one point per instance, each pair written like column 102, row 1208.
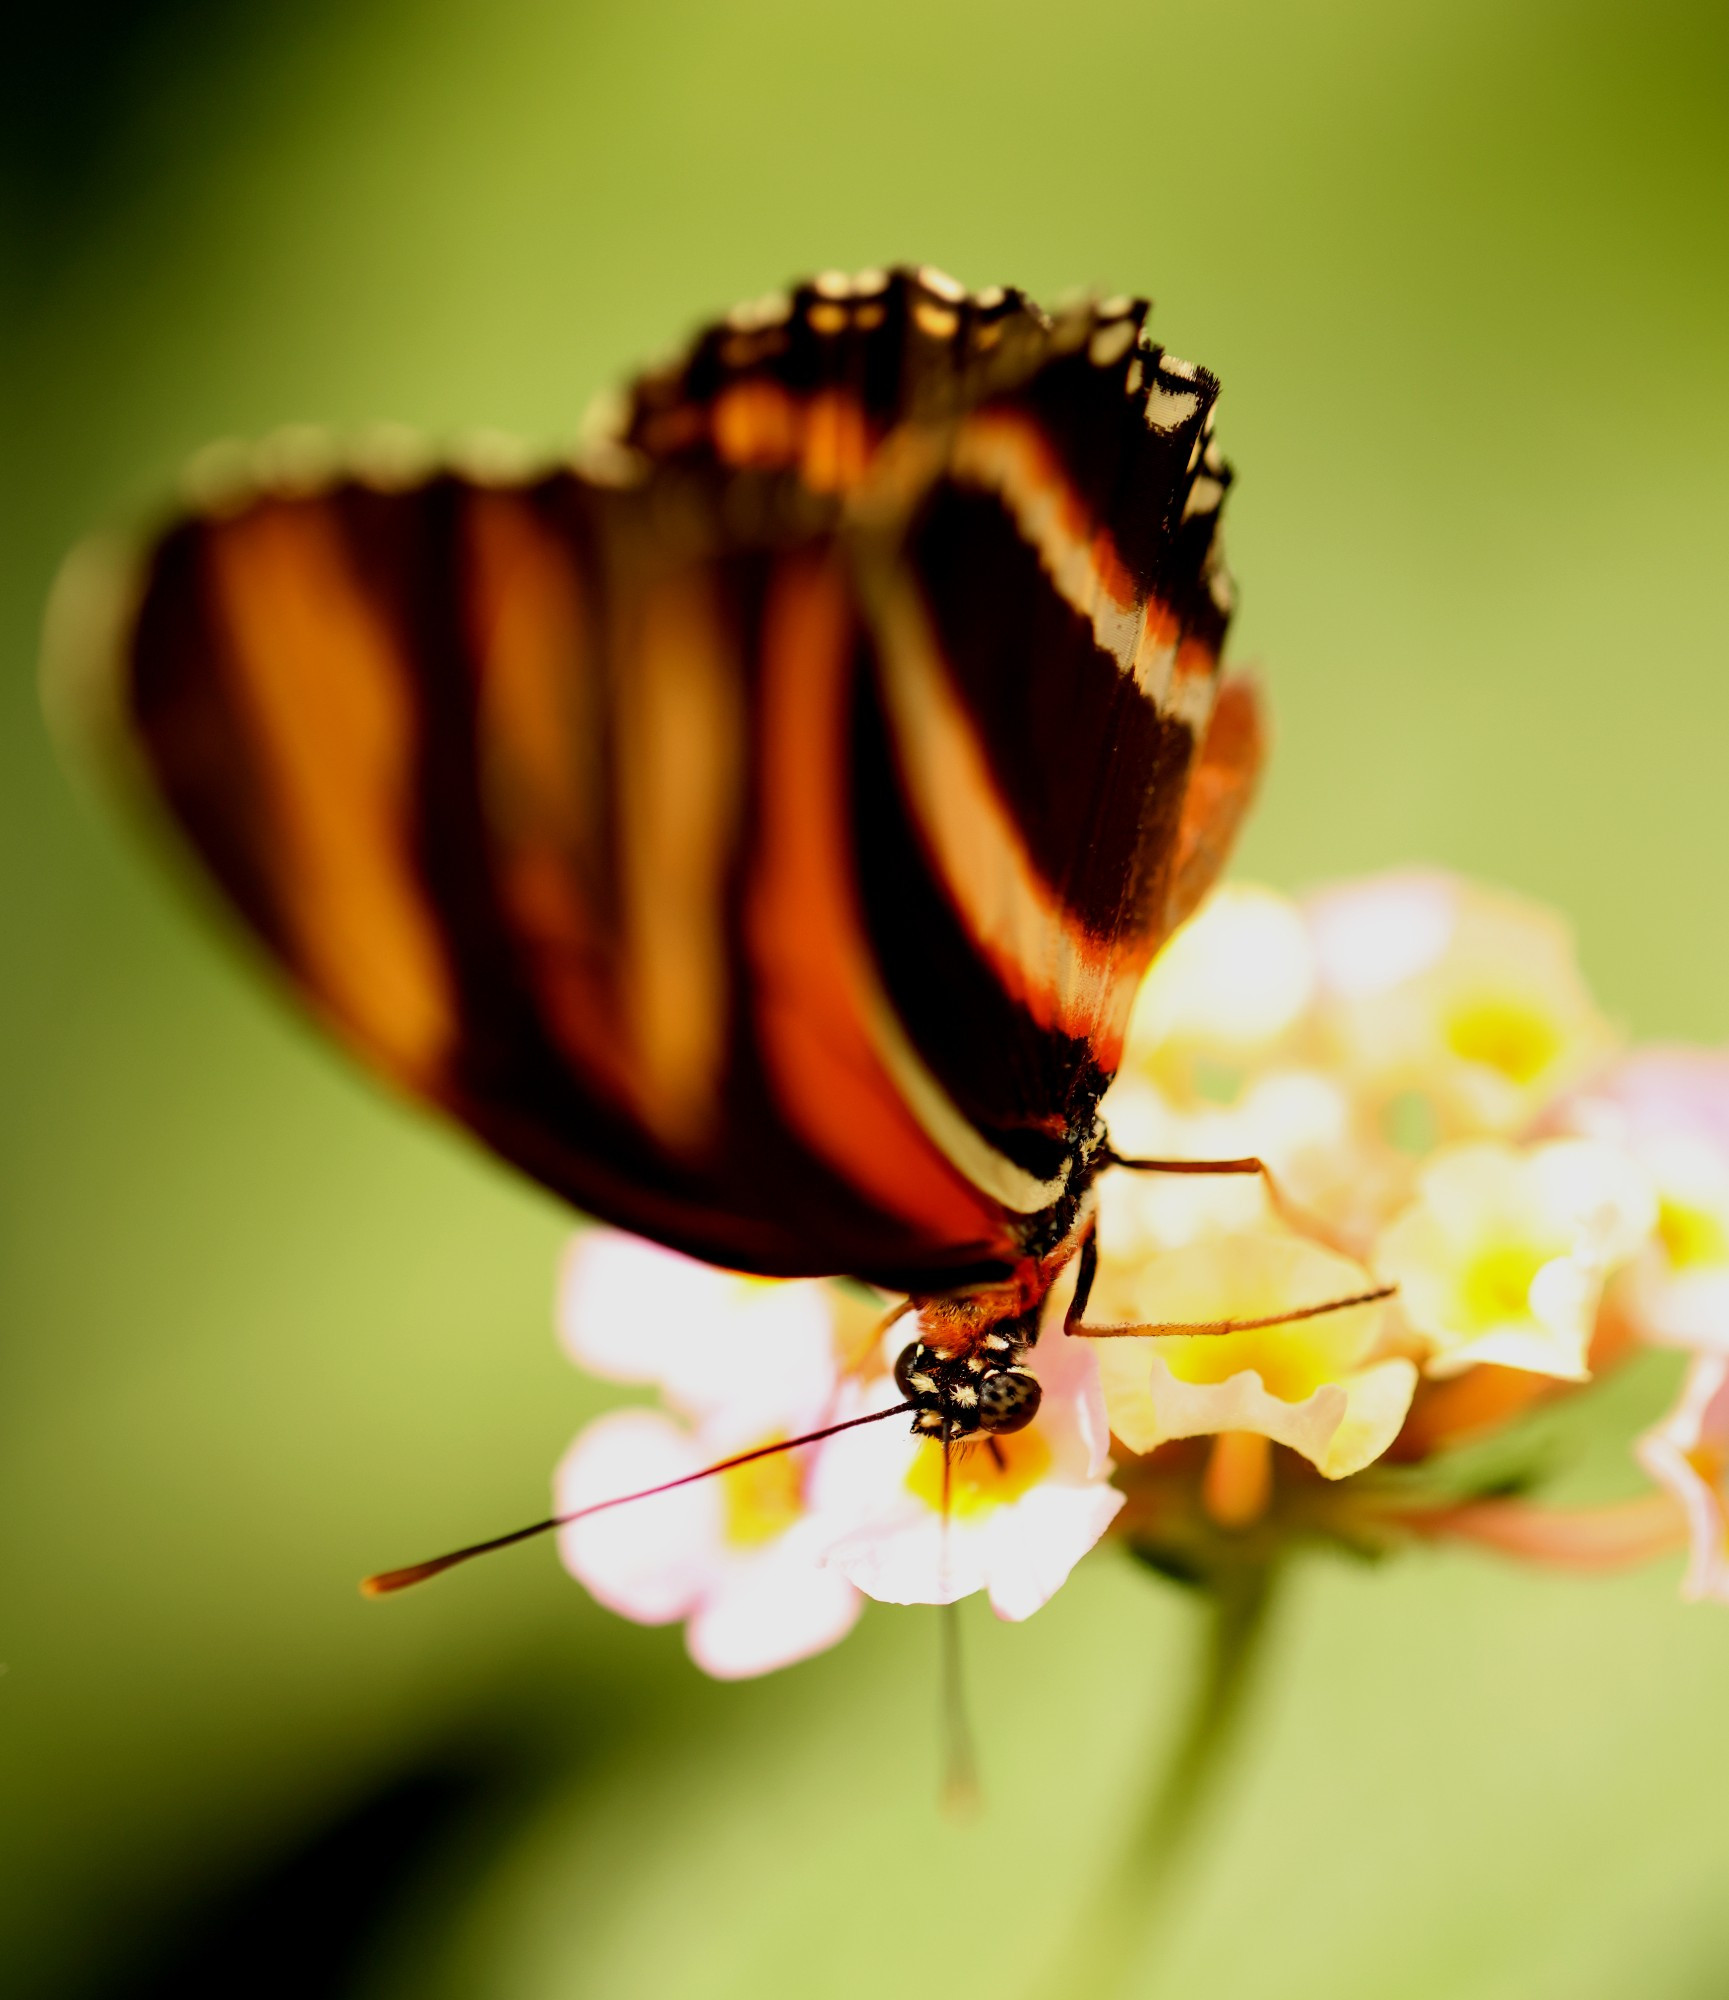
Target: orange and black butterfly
column 755, row 827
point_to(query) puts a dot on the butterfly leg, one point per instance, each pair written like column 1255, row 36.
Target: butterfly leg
column 1294, row 1217
column 864, row 1350
column 1203, row 1328
column 1087, row 1269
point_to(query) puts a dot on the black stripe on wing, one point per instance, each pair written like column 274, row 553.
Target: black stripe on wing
column 1091, row 769
column 1014, row 1080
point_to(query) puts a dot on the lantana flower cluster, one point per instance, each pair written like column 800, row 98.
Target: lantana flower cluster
column 1447, row 1120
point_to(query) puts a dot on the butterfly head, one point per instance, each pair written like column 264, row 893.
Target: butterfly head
column 970, row 1387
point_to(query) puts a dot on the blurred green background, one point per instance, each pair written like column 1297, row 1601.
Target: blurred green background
column 1463, row 268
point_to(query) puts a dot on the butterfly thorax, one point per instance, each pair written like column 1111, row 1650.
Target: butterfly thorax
column 971, row 1384
column 963, row 1374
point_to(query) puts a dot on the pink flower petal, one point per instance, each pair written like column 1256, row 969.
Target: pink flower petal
column 1577, row 1538
column 1036, row 1543
column 1667, row 1090
column 1068, row 1372
column 709, row 1339
column 771, row 1609
column 1373, row 934
column 901, row 1558
column 652, row 1560
column 1689, row 1454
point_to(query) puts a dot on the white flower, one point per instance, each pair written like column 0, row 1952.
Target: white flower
column 1319, row 1386
column 1677, row 1293
column 1503, row 1255
column 1464, row 997
column 737, row 1557
column 1023, row 1508
column 708, row 1339
column 1227, row 989
column 1669, row 1107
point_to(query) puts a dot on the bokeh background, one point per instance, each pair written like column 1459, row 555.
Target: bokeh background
column 1462, row 265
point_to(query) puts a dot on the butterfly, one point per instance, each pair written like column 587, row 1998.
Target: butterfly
column 753, row 826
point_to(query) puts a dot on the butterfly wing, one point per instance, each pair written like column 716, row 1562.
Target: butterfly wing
column 1033, row 508
column 616, row 815
column 1221, row 790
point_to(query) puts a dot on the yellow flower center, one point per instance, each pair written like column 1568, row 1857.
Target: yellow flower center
column 762, row 1500
column 1292, row 1361
column 1507, row 1035
column 1689, row 1235
column 1495, row 1286
column 982, row 1475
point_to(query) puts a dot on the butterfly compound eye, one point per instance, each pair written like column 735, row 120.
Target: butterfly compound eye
column 908, row 1371
column 1009, row 1399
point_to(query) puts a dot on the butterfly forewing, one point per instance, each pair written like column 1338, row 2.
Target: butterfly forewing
column 760, row 849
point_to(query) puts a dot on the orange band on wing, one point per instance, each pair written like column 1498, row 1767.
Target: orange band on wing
column 679, row 769
column 806, row 935
column 334, row 732
column 542, row 747
column 827, row 436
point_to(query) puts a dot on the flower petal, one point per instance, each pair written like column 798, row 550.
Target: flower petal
column 1502, row 1256
column 1466, row 994
column 1035, row 1545
column 1161, row 1406
column 1599, row 1191
column 1231, row 983
column 1376, row 1402
column 652, row 1559
column 770, row 1610
column 1688, row 1453
column 900, row 1558
column 1373, row 935
column 1251, row 1275
column 1661, row 1091
column 710, row 1340
column 1017, row 1532
column 1309, row 1384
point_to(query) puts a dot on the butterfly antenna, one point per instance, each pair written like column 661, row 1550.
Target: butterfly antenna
column 386, row 1582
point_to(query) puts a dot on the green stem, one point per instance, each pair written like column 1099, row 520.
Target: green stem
column 1119, row 1923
